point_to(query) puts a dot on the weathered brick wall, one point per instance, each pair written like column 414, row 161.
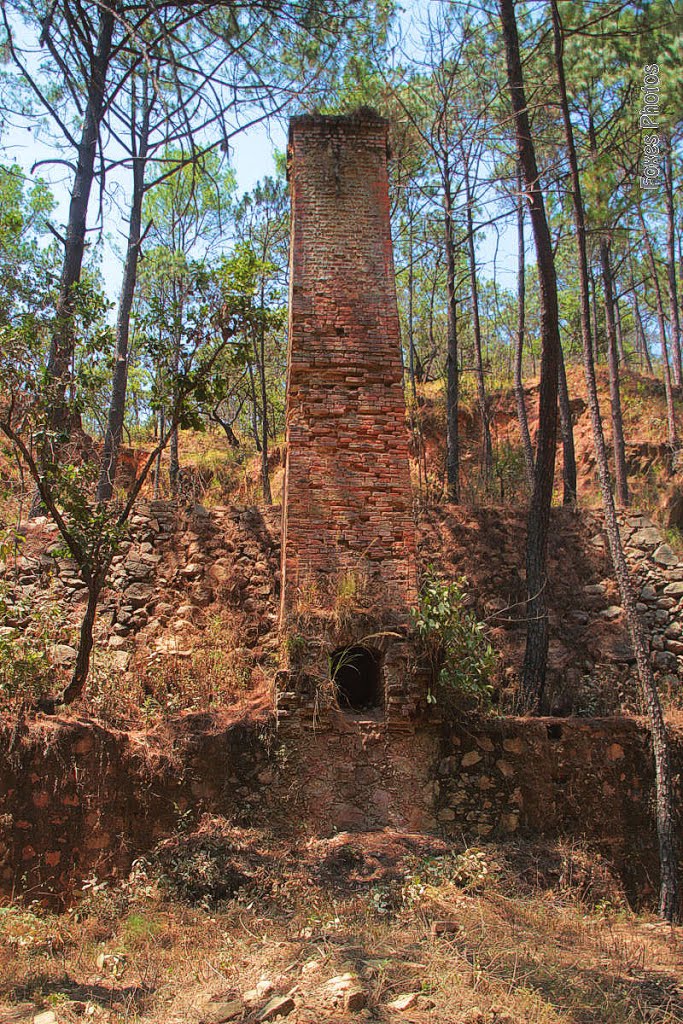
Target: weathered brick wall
column 347, row 507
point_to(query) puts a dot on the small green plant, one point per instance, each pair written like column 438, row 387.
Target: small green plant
column 454, row 640
column 139, row 929
column 510, row 471
column 295, row 647
column 674, row 538
column 351, row 594
column 11, row 541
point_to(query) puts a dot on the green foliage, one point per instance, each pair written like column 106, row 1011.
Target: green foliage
column 455, row 641
column 11, row 541
column 509, row 470
column 25, row 671
column 139, row 929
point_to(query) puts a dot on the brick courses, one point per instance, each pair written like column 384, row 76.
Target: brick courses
column 347, row 505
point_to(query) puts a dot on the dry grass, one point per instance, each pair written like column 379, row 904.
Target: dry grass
column 507, row 952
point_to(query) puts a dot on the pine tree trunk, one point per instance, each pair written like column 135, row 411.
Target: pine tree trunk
column 157, row 468
column 618, row 444
column 640, row 332
column 173, row 463
column 411, row 285
column 486, row 446
column 620, row 333
column 62, row 343
column 567, row 433
column 527, row 447
column 666, row 365
column 453, row 383
column 674, row 310
column 596, row 322
column 665, row 813
column 261, row 362
column 117, row 407
column 536, row 653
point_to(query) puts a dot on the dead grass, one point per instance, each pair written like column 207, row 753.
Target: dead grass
column 483, row 948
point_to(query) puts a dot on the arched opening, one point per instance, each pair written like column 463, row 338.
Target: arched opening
column 355, row 672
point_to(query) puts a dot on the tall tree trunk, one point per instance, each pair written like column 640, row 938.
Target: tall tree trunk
column 618, row 444
column 486, row 446
column 668, row 903
column 173, row 463
column 536, row 653
column 411, row 285
column 567, row 433
column 117, row 407
column 452, row 373
column 671, row 265
column 178, row 304
column 666, row 365
column 254, row 408
column 261, row 362
column 157, row 466
column 620, row 332
column 640, row 329
column 596, row 324
column 62, row 344
column 527, row 447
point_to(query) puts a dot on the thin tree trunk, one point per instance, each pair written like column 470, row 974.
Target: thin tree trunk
column 668, row 386
column 232, row 438
column 453, row 383
column 618, row 444
column 596, row 325
column 620, row 333
column 674, row 311
column 265, row 479
column 527, row 447
column 411, row 338
column 85, row 645
column 173, row 453
column 640, row 330
column 114, row 432
column 62, row 344
column 157, row 470
column 173, row 463
column 536, row 653
column 254, row 409
column 486, row 446
column 567, row 432
column 668, row 903
column 432, row 302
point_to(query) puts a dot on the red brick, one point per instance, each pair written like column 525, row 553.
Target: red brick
column 347, row 501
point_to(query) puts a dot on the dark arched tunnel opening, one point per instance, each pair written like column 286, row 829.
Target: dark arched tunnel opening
column 355, row 672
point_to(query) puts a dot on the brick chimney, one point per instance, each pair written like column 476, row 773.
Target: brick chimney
column 348, row 551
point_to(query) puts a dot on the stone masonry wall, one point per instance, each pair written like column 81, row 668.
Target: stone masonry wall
column 80, row 800
column 347, row 508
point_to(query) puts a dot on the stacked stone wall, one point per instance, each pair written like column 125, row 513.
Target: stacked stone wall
column 79, row 799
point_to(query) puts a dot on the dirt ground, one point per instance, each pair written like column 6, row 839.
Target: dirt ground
column 224, row 924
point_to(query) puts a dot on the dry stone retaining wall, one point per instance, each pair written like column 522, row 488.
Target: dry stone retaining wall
column 80, row 800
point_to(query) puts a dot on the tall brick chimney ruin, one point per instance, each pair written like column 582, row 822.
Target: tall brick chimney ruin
column 348, row 542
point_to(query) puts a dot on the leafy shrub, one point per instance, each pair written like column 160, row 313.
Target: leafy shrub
column 25, row 670
column 204, row 867
column 455, row 642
